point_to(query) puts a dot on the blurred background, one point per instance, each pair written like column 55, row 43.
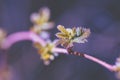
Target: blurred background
column 101, row 16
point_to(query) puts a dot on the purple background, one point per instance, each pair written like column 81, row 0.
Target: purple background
column 101, row 16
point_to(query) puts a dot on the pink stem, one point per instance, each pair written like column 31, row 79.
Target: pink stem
column 60, row 50
column 104, row 64
column 20, row 36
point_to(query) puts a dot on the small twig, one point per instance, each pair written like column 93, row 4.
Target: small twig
column 70, row 51
column 59, row 50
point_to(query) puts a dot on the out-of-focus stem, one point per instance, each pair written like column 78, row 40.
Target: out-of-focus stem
column 20, row 36
column 3, row 61
column 4, row 71
column 94, row 59
column 60, row 50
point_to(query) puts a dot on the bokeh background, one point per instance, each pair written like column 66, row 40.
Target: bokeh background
column 101, row 16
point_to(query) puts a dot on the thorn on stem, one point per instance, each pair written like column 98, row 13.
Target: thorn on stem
column 70, row 51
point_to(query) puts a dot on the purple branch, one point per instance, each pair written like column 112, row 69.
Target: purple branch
column 60, row 50
column 104, row 64
column 20, row 36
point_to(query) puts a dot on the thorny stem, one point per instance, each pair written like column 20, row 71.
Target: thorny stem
column 94, row 59
column 19, row 36
column 106, row 65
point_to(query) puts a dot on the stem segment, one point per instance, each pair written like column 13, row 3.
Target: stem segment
column 104, row 64
column 94, row 59
column 20, row 36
